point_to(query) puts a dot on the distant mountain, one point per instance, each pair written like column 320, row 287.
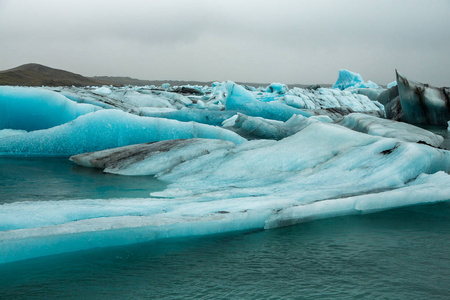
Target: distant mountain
column 39, row 75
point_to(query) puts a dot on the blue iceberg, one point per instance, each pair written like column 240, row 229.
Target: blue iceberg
column 28, row 108
column 241, row 100
column 348, row 79
column 103, row 130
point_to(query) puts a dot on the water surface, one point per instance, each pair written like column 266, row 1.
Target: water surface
column 398, row 254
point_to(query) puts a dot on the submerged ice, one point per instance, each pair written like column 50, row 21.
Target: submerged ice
column 234, row 158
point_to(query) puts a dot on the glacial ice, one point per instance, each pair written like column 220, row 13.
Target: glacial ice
column 259, row 128
column 276, row 87
column 243, row 101
column 348, row 79
column 422, row 103
column 10, row 132
column 103, row 130
column 392, row 84
column 304, row 163
column 324, row 170
column 388, row 128
column 149, row 158
column 29, row 108
column 207, row 105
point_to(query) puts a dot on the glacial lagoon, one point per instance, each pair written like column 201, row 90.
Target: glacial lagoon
column 395, row 254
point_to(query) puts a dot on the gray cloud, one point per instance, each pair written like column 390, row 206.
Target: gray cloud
column 287, row 41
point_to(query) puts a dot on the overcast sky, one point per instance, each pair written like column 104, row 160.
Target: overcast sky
column 253, row 41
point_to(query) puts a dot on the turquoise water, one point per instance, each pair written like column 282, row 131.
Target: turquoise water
column 43, row 179
column 397, row 254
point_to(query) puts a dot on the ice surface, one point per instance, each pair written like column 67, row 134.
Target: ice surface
column 322, row 98
column 106, row 129
column 387, row 128
column 139, row 159
column 10, row 132
column 324, row 170
column 211, row 117
column 29, row 108
column 423, row 104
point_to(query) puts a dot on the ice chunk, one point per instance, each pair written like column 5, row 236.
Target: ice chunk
column 391, row 101
column 29, row 108
column 259, row 128
column 392, row 84
column 348, row 79
column 387, row 128
column 104, row 90
column 422, row 103
column 241, row 100
column 371, row 93
column 106, row 129
column 276, row 87
column 149, row 158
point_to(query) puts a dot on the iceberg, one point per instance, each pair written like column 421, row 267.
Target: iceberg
column 278, row 88
column 391, row 101
column 392, row 84
column 28, row 108
column 422, row 103
column 388, row 128
column 241, row 100
column 325, row 170
column 208, row 105
column 348, row 79
column 106, row 129
column 259, row 128
column 322, row 98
